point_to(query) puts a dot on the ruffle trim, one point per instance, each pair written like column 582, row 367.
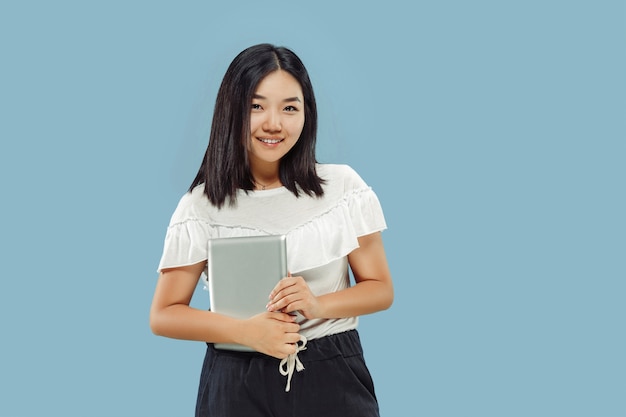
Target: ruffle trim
column 324, row 238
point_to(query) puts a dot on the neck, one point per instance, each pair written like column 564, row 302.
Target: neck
column 265, row 176
column 266, row 183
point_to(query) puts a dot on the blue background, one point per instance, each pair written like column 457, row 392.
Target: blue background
column 493, row 132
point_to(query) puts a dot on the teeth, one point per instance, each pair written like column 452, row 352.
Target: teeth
column 270, row 141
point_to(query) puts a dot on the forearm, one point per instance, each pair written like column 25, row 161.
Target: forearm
column 366, row 297
column 179, row 321
column 171, row 315
column 372, row 292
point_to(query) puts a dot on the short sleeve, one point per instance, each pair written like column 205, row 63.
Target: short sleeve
column 186, row 237
column 352, row 210
column 366, row 212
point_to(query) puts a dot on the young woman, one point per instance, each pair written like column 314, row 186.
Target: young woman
column 260, row 176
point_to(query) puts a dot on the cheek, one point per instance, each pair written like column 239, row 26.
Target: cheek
column 297, row 128
column 254, row 124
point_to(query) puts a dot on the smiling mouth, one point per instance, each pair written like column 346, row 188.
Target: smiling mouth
column 270, row 141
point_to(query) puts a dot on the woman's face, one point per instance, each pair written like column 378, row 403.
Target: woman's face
column 276, row 117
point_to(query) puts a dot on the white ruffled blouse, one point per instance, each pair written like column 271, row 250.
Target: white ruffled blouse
column 320, row 232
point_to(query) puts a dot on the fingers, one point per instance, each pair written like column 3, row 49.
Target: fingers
column 293, row 294
column 276, row 334
column 284, row 284
column 288, row 349
column 291, row 328
column 282, row 316
column 288, row 291
column 284, row 304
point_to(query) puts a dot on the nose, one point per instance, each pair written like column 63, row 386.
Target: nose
column 272, row 122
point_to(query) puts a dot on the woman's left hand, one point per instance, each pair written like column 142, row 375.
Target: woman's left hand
column 293, row 294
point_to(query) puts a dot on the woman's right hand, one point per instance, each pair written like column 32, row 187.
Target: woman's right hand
column 272, row 333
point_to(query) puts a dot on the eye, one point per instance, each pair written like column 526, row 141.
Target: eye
column 291, row 109
column 256, row 106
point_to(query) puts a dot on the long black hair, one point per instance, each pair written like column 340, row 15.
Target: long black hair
column 225, row 167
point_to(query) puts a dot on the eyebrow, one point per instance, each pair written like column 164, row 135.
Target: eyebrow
column 288, row 99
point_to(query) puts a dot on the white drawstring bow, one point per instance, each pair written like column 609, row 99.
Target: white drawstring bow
column 292, row 362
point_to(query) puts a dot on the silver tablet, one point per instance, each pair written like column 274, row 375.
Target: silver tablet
column 242, row 271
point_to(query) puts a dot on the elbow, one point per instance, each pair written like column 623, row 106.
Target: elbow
column 388, row 303
column 388, row 299
column 156, row 323
column 154, row 328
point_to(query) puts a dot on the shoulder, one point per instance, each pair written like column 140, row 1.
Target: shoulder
column 193, row 205
column 340, row 175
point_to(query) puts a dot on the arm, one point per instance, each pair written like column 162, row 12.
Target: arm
column 272, row 333
column 373, row 290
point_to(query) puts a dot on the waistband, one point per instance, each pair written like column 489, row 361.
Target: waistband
column 343, row 344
